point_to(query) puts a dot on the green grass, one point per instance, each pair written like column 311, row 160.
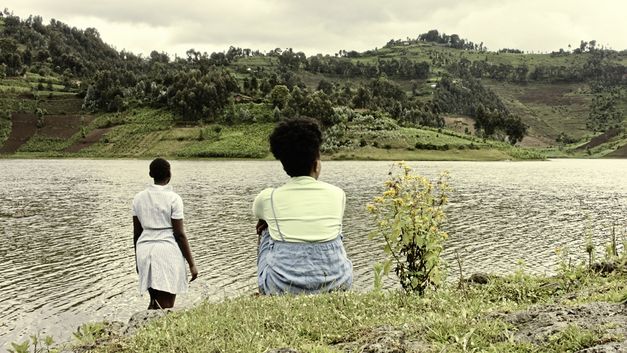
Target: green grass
column 147, row 133
column 548, row 109
column 244, row 141
column 132, row 133
column 372, row 153
column 425, row 144
column 5, row 128
column 11, row 103
column 39, row 143
column 452, row 319
column 36, row 78
column 423, row 51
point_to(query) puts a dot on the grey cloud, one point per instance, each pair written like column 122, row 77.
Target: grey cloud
column 329, row 25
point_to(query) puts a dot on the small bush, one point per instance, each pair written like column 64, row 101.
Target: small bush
column 432, row 147
column 409, row 215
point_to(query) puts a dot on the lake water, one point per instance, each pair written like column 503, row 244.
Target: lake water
column 66, row 251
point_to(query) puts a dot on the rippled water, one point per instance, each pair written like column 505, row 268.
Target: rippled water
column 66, row 252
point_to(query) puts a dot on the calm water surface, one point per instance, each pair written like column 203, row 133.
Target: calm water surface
column 66, row 251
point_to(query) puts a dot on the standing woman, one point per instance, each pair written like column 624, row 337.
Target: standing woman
column 300, row 222
column 161, row 246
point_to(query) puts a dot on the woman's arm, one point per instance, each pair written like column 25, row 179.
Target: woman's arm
column 181, row 240
column 261, row 226
column 137, row 232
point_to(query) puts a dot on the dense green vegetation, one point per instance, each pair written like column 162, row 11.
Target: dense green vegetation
column 564, row 96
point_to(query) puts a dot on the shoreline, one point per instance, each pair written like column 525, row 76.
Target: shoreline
column 325, row 158
column 431, row 157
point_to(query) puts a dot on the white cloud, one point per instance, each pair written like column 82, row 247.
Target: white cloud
column 330, row 25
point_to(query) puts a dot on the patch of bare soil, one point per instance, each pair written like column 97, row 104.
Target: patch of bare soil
column 382, row 339
column 601, row 139
column 549, row 95
column 619, row 153
column 535, row 141
column 23, row 128
column 460, row 124
column 63, row 126
column 91, row 138
column 537, row 325
column 62, row 105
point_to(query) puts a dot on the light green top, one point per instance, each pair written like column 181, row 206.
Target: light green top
column 307, row 210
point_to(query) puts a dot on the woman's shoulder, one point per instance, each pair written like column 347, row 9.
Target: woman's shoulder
column 265, row 193
column 331, row 187
column 140, row 194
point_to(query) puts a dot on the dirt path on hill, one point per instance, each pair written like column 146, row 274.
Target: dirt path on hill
column 601, row 139
column 90, row 139
column 619, row 153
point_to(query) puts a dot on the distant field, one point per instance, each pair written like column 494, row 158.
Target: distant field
column 548, row 109
column 371, row 153
column 149, row 133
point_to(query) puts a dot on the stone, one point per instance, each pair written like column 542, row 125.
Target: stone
column 538, row 324
column 620, row 347
column 142, row 318
column 479, row 278
column 604, row 268
column 384, row 339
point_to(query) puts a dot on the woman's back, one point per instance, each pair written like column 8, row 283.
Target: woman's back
column 302, row 210
column 155, row 207
column 300, row 223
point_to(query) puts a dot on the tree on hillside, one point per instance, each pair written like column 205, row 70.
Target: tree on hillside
column 489, row 122
column 279, row 96
column 604, row 113
column 10, row 57
column 320, row 107
column 325, row 86
column 200, row 96
column 362, row 97
column 105, row 93
column 515, row 129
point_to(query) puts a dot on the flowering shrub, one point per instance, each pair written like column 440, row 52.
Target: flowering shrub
column 409, row 216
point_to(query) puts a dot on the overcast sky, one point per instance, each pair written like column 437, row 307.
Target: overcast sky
column 327, row 26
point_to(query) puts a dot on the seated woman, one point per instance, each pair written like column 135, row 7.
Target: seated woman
column 300, row 222
column 161, row 246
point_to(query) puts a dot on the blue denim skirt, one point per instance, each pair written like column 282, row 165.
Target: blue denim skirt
column 307, row 268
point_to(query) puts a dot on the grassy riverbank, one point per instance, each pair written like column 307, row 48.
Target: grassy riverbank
column 519, row 313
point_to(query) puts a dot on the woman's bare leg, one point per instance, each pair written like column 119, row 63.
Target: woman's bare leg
column 160, row 299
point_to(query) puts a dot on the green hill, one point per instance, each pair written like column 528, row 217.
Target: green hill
column 64, row 92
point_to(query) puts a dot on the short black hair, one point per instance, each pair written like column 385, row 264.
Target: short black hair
column 296, row 143
column 160, row 169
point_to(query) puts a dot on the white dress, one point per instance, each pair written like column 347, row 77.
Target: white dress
column 159, row 259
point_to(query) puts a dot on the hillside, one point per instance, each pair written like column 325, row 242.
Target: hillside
column 64, row 92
